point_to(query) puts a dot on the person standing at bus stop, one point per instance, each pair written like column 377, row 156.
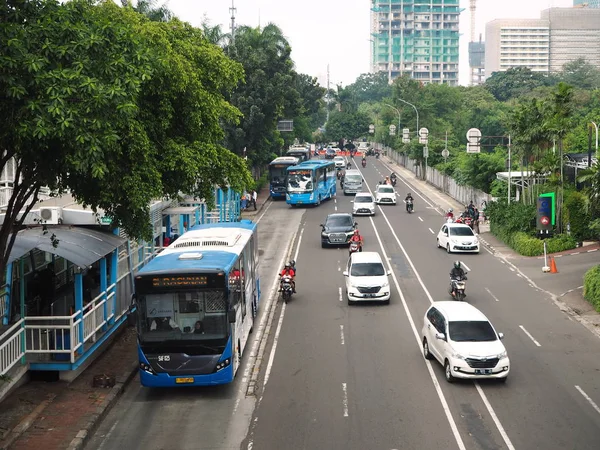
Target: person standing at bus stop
column 254, row 198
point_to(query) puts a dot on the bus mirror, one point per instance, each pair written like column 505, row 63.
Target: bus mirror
column 231, row 316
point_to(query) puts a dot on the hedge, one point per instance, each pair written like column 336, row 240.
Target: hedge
column 591, row 287
column 527, row 245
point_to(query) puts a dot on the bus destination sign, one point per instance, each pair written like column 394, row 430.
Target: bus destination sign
column 301, row 172
column 180, row 281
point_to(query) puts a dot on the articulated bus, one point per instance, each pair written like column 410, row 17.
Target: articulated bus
column 311, row 182
column 195, row 304
column 278, row 175
column 300, row 152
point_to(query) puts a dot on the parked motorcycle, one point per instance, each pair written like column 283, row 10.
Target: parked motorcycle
column 286, row 288
column 409, row 206
column 457, row 289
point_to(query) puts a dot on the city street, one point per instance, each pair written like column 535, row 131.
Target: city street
column 353, row 377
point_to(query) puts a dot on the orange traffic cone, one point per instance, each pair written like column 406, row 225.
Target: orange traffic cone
column 553, row 268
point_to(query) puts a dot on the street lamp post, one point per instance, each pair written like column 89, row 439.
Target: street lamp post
column 397, row 112
column 416, row 111
column 596, row 126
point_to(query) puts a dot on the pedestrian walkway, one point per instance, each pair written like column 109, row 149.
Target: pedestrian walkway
column 60, row 415
column 263, row 198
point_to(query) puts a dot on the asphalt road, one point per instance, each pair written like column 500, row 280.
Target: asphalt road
column 199, row 418
column 353, row 377
column 341, row 377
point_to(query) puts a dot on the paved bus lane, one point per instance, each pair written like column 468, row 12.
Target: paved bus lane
column 345, row 377
column 206, row 417
column 540, row 405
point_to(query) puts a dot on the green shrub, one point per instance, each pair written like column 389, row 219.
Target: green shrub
column 560, row 243
column 576, row 214
column 591, row 287
column 261, row 182
column 527, row 245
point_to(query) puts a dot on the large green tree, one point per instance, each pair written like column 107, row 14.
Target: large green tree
column 516, row 82
column 347, row 125
column 118, row 110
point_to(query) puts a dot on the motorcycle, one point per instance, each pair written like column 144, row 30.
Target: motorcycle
column 286, row 288
column 394, row 181
column 354, row 247
column 377, row 155
column 364, row 163
column 465, row 220
column 409, row 206
column 457, row 289
column 449, row 219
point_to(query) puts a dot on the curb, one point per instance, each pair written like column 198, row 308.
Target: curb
column 111, row 399
column 26, row 423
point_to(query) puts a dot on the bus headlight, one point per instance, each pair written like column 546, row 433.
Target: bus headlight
column 147, row 368
column 221, row 365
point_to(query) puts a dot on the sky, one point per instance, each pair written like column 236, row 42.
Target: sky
column 337, row 32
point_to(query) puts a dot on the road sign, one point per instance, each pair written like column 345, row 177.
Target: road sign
column 473, row 140
column 544, row 213
column 425, row 152
column 392, row 130
column 423, row 136
column 405, row 135
column 445, row 153
column 371, row 128
column 545, row 220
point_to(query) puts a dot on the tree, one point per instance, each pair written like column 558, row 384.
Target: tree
column 515, row 82
column 370, row 87
column 347, row 125
column 581, row 74
column 150, row 9
column 114, row 108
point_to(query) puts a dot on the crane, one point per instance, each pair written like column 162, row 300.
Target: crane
column 472, row 9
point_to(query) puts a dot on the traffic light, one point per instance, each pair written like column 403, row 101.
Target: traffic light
column 544, row 214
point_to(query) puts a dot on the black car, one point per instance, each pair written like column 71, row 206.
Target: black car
column 337, row 229
column 330, row 153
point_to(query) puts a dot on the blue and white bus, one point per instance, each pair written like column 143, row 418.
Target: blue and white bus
column 196, row 303
column 311, row 182
column 278, row 175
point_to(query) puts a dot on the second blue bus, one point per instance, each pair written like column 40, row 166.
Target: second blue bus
column 196, row 303
column 311, row 182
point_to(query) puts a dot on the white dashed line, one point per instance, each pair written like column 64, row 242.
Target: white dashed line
column 493, row 296
column 465, row 266
column 587, row 397
column 340, row 293
column 420, row 219
column 345, row 400
column 530, row 336
column 511, row 269
column 432, row 232
column 342, row 334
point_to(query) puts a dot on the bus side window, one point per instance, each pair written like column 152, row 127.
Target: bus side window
column 244, row 279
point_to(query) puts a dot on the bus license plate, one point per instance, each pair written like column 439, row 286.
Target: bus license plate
column 483, row 371
column 184, row 380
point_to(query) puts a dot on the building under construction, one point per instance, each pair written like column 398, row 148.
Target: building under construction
column 416, row 37
column 476, row 49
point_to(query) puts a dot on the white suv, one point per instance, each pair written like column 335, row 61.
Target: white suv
column 385, row 194
column 363, row 204
column 367, row 278
column 464, row 341
column 340, row 162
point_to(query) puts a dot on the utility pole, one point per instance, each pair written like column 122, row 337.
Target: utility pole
column 328, row 93
column 232, row 10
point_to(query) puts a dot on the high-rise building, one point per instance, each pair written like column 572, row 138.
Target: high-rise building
column 416, row 37
column 587, row 3
column 561, row 35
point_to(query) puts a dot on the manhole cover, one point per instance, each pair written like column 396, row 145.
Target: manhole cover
column 105, row 381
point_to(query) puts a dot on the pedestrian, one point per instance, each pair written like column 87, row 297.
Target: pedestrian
column 254, row 198
column 244, row 201
column 476, row 220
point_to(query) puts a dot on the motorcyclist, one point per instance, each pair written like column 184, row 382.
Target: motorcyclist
column 364, row 161
column 393, row 178
column 356, row 237
column 289, row 270
column 409, row 198
column 450, row 214
column 457, row 273
column 387, row 181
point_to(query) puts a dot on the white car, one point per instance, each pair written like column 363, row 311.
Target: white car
column 385, row 194
column 367, row 278
column 464, row 341
column 363, row 204
column 340, row 162
column 457, row 237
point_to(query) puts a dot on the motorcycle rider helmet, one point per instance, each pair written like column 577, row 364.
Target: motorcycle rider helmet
column 355, row 232
column 450, row 210
column 287, row 266
column 457, row 264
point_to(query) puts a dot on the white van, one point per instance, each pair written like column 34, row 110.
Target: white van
column 353, row 182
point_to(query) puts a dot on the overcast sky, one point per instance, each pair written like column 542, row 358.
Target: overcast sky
column 336, row 32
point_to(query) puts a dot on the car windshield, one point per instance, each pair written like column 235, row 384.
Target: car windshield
column 471, row 331
column 300, row 181
column 352, row 178
column 367, row 270
column 339, row 221
column 339, row 158
column 461, row 231
column 386, row 190
column 363, row 199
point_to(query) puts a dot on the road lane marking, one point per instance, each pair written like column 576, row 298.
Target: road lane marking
column 345, row 400
column 493, row 296
column 453, row 426
column 264, row 212
column 512, row 270
column 588, row 398
column 275, row 341
column 494, row 417
column 529, row 335
column 342, row 333
column 432, row 232
column 336, row 208
column 298, row 245
column 420, row 219
column 340, row 293
column 466, row 267
column 434, row 380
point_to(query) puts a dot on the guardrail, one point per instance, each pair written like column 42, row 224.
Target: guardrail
column 3, row 305
column 11, row 347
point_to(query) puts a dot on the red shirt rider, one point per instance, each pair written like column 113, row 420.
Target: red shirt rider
column 356, row 237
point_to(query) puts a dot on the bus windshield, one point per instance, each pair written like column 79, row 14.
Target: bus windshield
column 300, row 181
column 194, row 318
column 278, row 173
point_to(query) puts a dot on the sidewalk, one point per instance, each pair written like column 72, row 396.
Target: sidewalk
column 60, row 415
column 565, row 287
column 263, row 198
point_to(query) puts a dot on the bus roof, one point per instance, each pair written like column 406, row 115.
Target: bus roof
column 285, row 160
column 204, row 248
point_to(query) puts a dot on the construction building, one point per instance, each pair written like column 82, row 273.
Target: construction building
column 416, row 37
column 586, row 3
column 546, row 44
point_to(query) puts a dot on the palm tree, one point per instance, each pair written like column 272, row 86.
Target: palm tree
column 214, row 34
column 150, row 9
